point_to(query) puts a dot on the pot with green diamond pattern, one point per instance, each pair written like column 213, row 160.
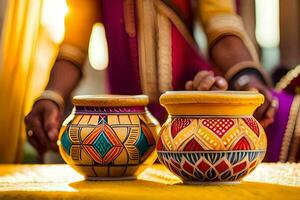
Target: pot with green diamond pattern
column 109, row 136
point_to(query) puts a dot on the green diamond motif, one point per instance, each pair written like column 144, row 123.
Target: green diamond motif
column 102, row 144
column 66, row 142
column 142, row 143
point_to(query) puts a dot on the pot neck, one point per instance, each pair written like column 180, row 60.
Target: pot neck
column 110, row 110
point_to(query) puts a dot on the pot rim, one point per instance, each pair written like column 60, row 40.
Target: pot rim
column 108, row 100
column 212, row 97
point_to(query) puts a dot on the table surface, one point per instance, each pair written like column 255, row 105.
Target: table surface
column 268, row 181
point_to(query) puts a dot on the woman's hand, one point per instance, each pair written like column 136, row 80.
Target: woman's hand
column 43, row 124
column 266, row 112
column 205, row 81
column 44, row 120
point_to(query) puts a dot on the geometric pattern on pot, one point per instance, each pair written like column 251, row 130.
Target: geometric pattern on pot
column 197, row 134
column 102, row 144
column 118, row 140
column 211, row 166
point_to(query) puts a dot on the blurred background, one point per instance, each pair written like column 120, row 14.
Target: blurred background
column 31, row 31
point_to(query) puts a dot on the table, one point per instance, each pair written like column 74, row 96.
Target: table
column 268, row 181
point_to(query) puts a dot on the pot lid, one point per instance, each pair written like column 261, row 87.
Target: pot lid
column 110, row 100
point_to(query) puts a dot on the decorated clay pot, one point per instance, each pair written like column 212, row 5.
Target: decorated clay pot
column 211, row 136
column 109, row 136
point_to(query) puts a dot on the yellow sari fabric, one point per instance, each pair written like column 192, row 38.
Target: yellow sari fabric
column 26, row 54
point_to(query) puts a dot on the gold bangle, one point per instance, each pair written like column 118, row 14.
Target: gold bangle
column 246, row 65
column 241, row 82
column 71, row 53
column 54, row 97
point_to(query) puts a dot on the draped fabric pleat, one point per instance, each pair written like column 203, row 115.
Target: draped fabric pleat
column 26, row 54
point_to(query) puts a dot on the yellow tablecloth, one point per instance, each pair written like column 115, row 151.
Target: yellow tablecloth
column 268, row 181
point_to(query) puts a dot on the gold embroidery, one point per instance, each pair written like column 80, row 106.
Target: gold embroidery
column 166, row 16
column 286, row 80
column 165, row 10
column 289, row 129
column 147, row 48
column 129, row 19
column 164, row 53
column 295, row 142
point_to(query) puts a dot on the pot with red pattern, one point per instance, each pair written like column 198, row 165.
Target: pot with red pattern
column 211, row 136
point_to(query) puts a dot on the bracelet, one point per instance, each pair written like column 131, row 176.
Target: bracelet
column 72, row 54
column 52, row 96
column 241, row 81
column 247, row 65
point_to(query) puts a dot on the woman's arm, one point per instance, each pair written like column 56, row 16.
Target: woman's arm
column 229, row 51
column 233, row 54
column 44, row 120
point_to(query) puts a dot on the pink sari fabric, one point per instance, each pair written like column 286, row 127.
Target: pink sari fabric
column 123, row 70
column 275, row 132
column 186, row 61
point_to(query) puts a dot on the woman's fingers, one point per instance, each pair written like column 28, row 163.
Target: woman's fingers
column 220, row 84
column 198, row 79
column 51, row 122
column 206, row 83
column 37, row 135
column 189, row 85
column 270, row 113
column 261, row 111
column 42, row 125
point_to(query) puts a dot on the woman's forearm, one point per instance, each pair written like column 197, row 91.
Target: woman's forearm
column 228, row 51
column 64, row 78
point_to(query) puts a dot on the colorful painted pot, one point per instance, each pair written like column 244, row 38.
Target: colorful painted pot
column 109, row 136
column 211, row 136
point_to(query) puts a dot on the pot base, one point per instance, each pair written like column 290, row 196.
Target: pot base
column 117, row 178
column 212, row 183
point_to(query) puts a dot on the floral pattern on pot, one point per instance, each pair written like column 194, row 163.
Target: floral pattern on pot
column 212, row 166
